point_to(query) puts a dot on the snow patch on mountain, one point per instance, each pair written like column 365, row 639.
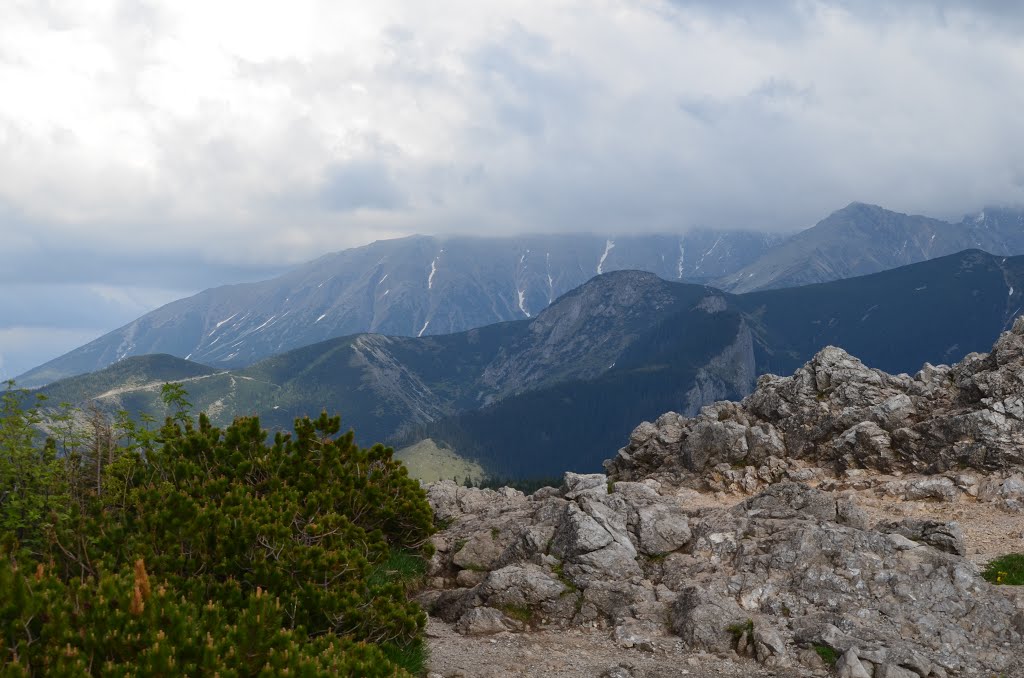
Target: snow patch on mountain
column 609, row 245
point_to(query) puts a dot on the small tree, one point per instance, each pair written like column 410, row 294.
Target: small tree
column 30, row 474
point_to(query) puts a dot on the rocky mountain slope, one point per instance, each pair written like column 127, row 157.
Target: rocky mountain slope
column 784, row 531
column 416, row 286
column 714, row 351
column 382, row 383
column 621, row 348
column 861, row 239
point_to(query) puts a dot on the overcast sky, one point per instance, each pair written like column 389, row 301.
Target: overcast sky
column 152, row 149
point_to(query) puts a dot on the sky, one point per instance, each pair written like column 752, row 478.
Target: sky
column 152, row 149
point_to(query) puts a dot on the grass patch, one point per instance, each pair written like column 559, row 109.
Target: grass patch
column 401, row 567
column 519, row 613
column 1006, row 570
column 413, row 657
column 459, row 545
column 827, row 654
column 737, row 630
column 495, row 532
column 570, row 587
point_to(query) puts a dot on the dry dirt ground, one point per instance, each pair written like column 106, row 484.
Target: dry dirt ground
column 591, row 653
column 576, row 653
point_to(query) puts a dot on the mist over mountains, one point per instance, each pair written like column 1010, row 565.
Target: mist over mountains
column 423, row 285
column 416, row 286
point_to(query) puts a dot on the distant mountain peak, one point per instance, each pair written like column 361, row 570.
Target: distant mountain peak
column 413, row 286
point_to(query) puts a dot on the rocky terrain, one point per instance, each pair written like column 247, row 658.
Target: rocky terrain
column 832, row 523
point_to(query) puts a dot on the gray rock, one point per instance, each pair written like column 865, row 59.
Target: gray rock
column 482, row 551
column 790, row 567
column 946, row 537
column 849, row 666
column 942, row 489
column 893, row 671
column 661, row 529
column 702, row 619
column 520, row 586
column 836, row 411
column 481, row 621
column 576, row 485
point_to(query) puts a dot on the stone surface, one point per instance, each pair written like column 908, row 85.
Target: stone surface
column 767, row 568
column 837, row 412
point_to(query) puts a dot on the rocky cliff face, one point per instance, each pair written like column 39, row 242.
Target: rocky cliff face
column 837, row 413
column 791, row 527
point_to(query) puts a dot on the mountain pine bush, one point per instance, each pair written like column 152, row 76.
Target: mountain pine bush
column 214, row 551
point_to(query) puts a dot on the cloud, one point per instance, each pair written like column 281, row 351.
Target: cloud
column 359, row 185
column 177, row 145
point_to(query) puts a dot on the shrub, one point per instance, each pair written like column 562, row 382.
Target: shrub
column 219, row 552
column 1007, row 570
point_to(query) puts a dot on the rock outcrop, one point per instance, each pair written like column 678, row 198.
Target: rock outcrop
column 788, row 570
column 793, row 571
column 835, row 413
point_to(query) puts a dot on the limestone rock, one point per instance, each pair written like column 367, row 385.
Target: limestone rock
column 849, row 666
column 791, row 566
column 838, row 412
column 481, row 621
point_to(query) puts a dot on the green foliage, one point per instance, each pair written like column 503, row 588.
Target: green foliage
column 737, row 630
column 570, row 587
column 519, row 613
column 117, row 625
column 1007, row 570
column 827, row 654
column 194, row 550
column 30, row 473
column 404, row 568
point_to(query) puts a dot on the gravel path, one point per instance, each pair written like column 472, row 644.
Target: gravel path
column 578, row 653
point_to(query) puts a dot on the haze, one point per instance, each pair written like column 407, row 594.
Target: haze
column 150, row 150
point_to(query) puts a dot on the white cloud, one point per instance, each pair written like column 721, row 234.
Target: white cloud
column 246, row 134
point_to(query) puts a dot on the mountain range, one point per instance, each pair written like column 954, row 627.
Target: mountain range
column 415, row 286
column 861, row 239
column 563, row 389
column 422, row 286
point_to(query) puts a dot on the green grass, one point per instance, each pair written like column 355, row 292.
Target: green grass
column 413, row 657
column 400, row 567
column 520, row 613
column 570, row 587
column 737, row 630
column 827, row 654
column 429, row 462
column 1007, row 570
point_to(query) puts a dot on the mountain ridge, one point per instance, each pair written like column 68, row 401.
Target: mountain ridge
column 861, row 238
column 413, row 286
column 625, row 346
